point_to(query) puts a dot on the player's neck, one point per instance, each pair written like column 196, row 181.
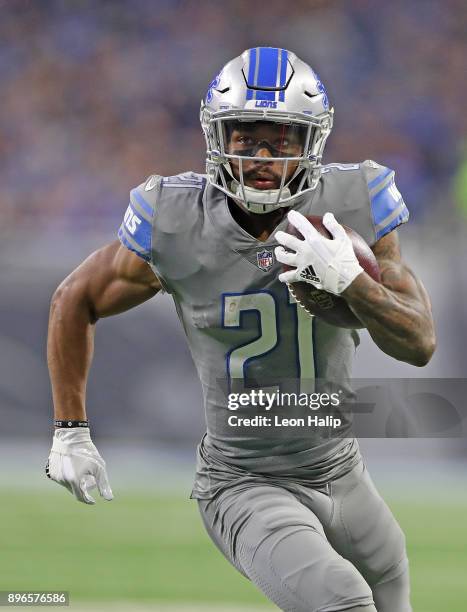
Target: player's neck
column 258, row 226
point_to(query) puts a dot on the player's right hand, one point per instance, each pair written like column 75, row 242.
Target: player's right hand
column 334, row 265
column 75, row 463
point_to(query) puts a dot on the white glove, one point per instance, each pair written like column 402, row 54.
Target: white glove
column 328, row 264
column 75, row 463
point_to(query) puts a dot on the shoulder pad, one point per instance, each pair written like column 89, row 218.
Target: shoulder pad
column 185, row 179
column 343, row 167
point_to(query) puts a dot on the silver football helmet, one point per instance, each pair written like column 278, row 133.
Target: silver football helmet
column 273, row 86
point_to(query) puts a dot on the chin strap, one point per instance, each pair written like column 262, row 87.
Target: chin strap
column 260, row 201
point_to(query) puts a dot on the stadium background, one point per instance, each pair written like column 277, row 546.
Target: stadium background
column 95, row 96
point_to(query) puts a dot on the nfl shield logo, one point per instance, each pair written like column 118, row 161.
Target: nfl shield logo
column 264, row 259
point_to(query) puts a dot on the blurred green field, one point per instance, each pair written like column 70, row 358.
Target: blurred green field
column 147, row 548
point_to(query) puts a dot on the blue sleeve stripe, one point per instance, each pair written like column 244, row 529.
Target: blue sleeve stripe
column 128, row 240
column 137, row 229
column 138, row 210
column 147, row 208
column 130, row 244
column 401, row 218
column 401, row 209
column 384, row 203
column 379, row 178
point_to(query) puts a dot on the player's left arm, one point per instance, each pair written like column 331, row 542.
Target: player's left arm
column 397, row 311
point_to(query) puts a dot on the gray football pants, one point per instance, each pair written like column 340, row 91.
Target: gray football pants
column 313, row 550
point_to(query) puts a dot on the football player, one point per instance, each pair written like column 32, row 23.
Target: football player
column 296, row 514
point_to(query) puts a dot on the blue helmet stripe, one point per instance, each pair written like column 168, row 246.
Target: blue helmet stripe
column 283, row 75
column 265, row 95
column 267, row 74
column 251, row 73
column 284, row 57
column 265, row 71
column 251, row 69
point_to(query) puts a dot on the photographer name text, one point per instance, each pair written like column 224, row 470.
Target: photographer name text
column 279, row 421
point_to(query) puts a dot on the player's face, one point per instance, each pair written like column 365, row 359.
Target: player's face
column 265, row 140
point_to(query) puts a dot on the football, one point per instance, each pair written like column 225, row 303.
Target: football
column 333, row 309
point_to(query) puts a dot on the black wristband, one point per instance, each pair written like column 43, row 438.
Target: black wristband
column 68, row 424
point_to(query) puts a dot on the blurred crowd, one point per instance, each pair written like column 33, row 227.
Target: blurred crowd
column 96, row 95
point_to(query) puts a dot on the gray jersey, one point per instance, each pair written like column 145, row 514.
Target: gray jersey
column 243, row 329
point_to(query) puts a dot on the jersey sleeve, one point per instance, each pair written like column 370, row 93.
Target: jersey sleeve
column 135, row 232
column 388, row 209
